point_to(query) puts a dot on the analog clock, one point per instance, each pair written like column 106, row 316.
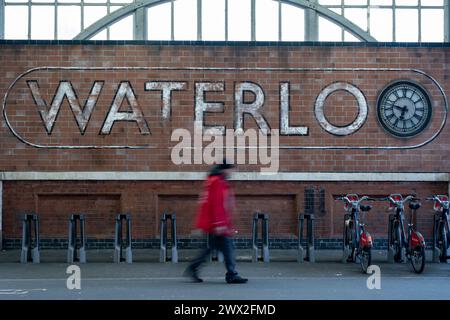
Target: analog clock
column 404, row 109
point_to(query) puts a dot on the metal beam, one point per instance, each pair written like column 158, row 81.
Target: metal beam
column 311, row 24
column 140, row 24
column 1, row 215
column 447, row 21
column 2, row 24
column 131, row 8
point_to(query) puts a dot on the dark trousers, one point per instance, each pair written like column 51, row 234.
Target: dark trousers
column 220, row 243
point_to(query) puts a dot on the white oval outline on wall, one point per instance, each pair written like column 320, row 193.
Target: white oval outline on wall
column 50, row 68
column 363, row 109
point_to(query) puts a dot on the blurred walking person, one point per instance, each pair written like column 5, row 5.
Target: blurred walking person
column 214, row 219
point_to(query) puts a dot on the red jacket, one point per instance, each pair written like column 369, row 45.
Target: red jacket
column 216, row 207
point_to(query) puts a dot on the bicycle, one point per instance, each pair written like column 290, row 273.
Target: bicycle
column 442, row 228
column 357, row 242
column 412, row 243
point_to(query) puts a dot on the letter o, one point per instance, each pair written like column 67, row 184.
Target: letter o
column 362, row 109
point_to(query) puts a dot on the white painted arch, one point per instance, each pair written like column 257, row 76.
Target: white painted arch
column 142, row 4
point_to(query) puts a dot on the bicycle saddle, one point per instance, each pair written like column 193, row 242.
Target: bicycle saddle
column 414, row 205
column 365, row 207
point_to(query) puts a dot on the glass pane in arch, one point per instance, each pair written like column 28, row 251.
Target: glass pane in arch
column 185, row 20
column 16, row 22
column 406, row 25
column 239, row 20
column 357, row 16
column 213, row 15
column 293, row 23
column 432, row 25
column 122, row 29
column 330, row 2
column 329, row 31
column 267, row 20
column 428, row 3
column 406, row 2
column 69, row 21
column 159, row 22
column 381, row 24
column 92, row 14
column 100, row 36
column 43, row 22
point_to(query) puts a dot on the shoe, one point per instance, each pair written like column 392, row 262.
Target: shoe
column 191, row 273
column 236, row 279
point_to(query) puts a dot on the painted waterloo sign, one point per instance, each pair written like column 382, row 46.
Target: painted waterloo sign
column 52, row 107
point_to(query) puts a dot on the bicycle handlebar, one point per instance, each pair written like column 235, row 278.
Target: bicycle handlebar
column 443, row 203
column 345, row 198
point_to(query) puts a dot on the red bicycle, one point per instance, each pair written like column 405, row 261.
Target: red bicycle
column 410, row 243
column 357, row 242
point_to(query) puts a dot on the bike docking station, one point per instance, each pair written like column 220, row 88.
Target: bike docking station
column 120, row 242
column 390, row 248
column 163, row 244
column 214, row 255
column 264, row 217
column 436, row 250
column 438, row 256
column 308, row 215
column 30, row 240
column 73, row 239
column 310, row 253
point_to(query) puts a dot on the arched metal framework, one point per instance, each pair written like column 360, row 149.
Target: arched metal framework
column 312, row 9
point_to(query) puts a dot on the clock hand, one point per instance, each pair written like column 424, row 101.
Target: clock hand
column 402, row 115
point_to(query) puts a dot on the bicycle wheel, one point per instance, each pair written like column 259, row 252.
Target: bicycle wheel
column 443, row 244
column 397, row 241
column 365, row 258
column 345, row 239
column 418, row 259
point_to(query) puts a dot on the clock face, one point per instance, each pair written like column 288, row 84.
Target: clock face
column 404, row 109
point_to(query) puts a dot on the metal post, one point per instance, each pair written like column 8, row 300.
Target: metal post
column 73, row 239
column 1, row 186
column 119, row 242
column 2, row 36
column 447, row 27
column 163, row 241
column 174, row 239
column 310, row 234
column 310, row 254
column 436, row 251
column 255, row 238
column 265, row 230
column 30, row 239
column 301, row 251
column 265, row 236
column 390, row 256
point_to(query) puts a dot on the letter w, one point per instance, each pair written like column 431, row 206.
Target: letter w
column 65, row 90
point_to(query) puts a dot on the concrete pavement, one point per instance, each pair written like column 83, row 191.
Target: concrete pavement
column 282, row 278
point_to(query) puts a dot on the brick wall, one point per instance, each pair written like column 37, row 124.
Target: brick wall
column 145, row 201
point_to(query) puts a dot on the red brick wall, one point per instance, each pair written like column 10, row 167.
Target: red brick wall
column 305, row 86
column 100, row 201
